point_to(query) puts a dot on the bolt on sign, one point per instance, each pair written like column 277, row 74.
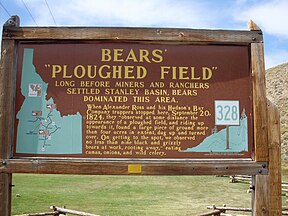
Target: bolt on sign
column 133, row 100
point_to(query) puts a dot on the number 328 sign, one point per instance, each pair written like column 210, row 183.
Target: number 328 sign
column 227, row 112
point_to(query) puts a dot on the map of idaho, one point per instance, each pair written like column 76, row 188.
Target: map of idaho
column 41, row 128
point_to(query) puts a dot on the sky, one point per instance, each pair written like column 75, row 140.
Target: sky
column 270, row 15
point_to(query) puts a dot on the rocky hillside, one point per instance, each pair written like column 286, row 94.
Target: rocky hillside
column 277, row 92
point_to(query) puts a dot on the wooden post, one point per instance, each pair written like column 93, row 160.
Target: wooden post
column 261, row 202
column 253, row 182
column 261, row 199
column 268, row 198
column 7, row 94
column 5, row 194
column 259, row 96
column 275, row 182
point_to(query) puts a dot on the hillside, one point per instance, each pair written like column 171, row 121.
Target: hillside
column 277, row 92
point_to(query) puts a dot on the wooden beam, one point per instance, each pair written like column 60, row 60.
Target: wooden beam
column 7, row 94
column 275, row 181
column 212, row 213
column 259, row 100
column 40, row 214
column 120, row 167
column 70, row 211
column 133, row 34
column 224, row 208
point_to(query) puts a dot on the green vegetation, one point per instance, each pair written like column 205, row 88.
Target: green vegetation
column 126, row 195
column 129, row 195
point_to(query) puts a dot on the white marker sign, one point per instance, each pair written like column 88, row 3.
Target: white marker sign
column 227, row 112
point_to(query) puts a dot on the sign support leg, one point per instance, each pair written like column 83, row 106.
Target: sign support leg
column 268, row 199
column 261, row 199
column 7, row 92
column 275, row 181
column 5, row 194
column 253, row 179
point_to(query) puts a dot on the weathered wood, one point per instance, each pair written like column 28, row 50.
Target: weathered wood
column 253, row 182
column 261, row 202
column 7, row 94
column 5, row 194
column 7, row 89
column 149, row 167
column 253, row 26
column 13, row 21
column 69, row 211
column 215, row 213
column 236, row 179
column 275, row 181
column 135, row 34
column 224, row 208
column 259, row 96
column 40, row 214
column 259, row 101
column 224, row 214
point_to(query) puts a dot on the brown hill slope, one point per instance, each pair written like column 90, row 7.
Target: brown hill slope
column 277, row 92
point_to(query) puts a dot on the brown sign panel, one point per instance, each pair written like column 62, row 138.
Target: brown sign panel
column 133, row 100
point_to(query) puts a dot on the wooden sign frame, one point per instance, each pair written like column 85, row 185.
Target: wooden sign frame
column 11, row 37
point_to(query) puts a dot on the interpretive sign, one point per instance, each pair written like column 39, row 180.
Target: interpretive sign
column 137, row 101
column 132, row 100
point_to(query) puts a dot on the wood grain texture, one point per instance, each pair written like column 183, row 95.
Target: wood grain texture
column 261, row 202
column 5, row 194
column 7, row 94
column 224, row 208
column 7, row 88
column 253, row 26
column 70, row 211
column 259, row 102
column 259, row 98
column 149, row 167
column 275, row 181
column 134, row 34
